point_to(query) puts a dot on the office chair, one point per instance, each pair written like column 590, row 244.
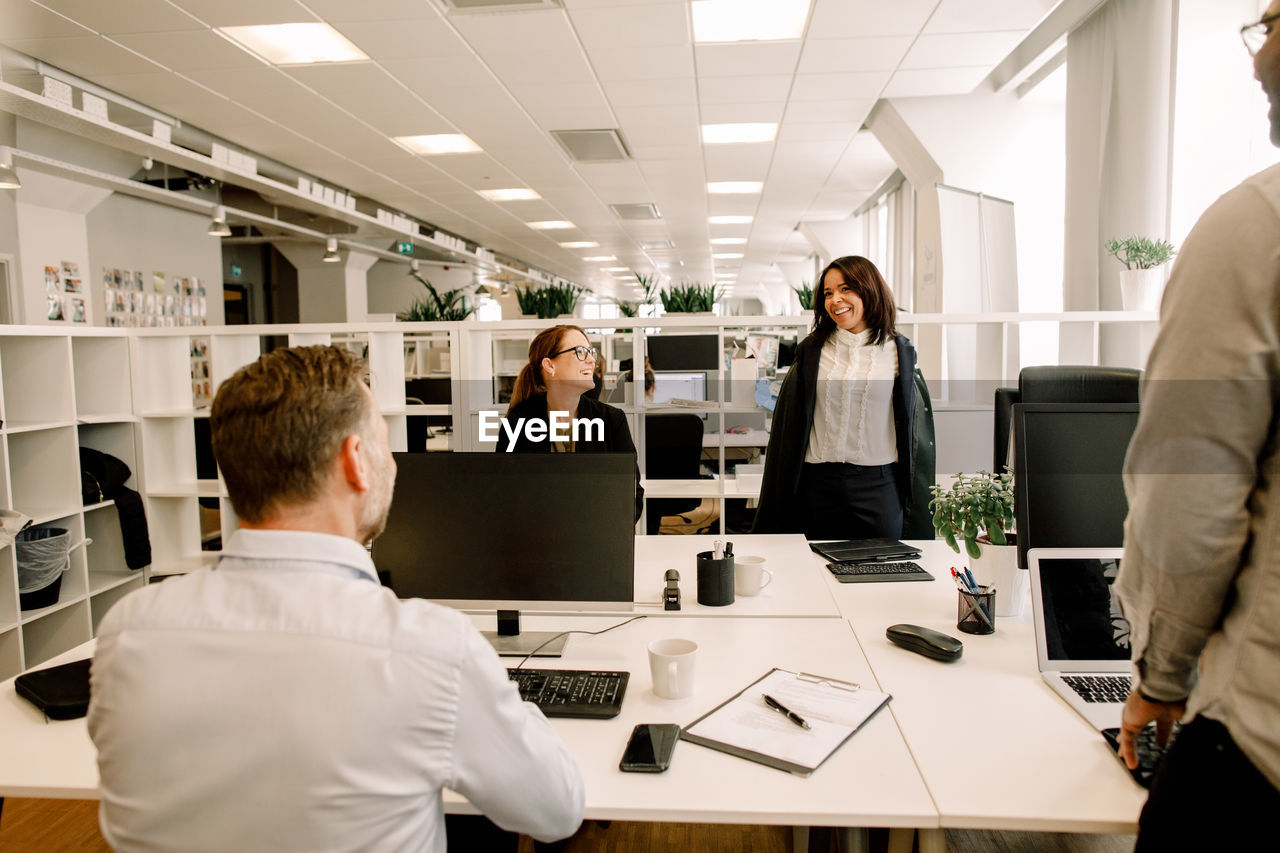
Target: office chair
column 672, row 451
column 1065, row 383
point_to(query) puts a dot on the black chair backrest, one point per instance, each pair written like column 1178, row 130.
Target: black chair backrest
column 672, row 446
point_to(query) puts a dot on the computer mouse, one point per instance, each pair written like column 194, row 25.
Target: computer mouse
column 925, row 641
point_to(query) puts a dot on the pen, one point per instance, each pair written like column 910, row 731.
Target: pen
column 785, row 711
column 973, row 584
column 728, row 550
column 962, row 583
column 717, row 549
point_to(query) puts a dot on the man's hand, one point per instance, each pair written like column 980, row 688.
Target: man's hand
column 1138, row 712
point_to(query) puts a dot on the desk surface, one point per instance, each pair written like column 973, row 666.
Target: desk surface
column 997, row 747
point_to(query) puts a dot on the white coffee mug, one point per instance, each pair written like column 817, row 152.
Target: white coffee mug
column 749, row 575
column 671, row 665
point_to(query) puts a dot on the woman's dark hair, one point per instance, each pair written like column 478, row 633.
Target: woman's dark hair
column 877, row 300
column 544, row 345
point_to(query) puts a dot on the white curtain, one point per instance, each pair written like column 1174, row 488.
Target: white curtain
column 1119, row 89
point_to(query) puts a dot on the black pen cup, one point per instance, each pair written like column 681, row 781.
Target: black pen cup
column 715, row 580
column 976, row 611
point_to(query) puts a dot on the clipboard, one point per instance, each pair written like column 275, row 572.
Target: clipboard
column 745, row 726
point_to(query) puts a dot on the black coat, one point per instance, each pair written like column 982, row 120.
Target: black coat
column 793, row 422
column 617, row 435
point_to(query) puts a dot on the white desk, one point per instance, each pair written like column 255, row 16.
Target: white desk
column 997, row 748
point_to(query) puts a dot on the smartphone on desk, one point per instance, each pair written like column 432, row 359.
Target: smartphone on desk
column 649, row 748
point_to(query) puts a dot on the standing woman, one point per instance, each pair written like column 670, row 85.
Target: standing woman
column 560, row 370
column 839, row 463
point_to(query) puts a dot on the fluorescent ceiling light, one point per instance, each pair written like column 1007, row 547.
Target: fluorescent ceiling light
column 295, row 44
column 616, row 269
column 714, row 134
column 724, row 255
column 550, row 224
column 580, row 244
column 728, row 241
column 734, row 187
column 748, row 20
column 601, row 258
column 513, row 194
column 729, row 220
column 726, row 275
column 438, row 143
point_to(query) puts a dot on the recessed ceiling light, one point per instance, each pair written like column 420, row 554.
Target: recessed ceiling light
column 739, row 132
column 726, row 275
column 601, row 258
column 729, row 220
column 550, row 224
column 734, row 187
column 294, row 44
column 724, row 255
column 748, row 20
column 513, row 194
column 580, row 244
column 728, row 241
column 650, row 245
column 616, row 269
column 438, row 143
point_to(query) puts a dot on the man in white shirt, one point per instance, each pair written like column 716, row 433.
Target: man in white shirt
column 284, row 700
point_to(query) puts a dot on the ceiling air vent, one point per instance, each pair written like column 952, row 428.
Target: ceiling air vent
column 497, row 5
column 648, row 245
column 636, row 211
column 592, row 146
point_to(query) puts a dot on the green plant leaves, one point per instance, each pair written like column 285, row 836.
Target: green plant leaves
column 689, row 298
column 1140, row 253
column 435, row 307
column 974, row 504
column 805, row 294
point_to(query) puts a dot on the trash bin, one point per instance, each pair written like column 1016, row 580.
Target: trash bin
column 44, row 553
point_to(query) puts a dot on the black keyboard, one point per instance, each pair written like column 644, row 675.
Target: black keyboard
column 1099, row 688
column 855, row 572
column 571, row 692
column 1149, row 754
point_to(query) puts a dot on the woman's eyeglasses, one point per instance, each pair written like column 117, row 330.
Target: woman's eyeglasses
column 583, row 353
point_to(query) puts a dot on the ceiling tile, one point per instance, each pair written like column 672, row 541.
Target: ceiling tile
column 190, row 50
column 794, row 131
column 735, row 113
column 647, row 93
column 725, row 60
column 863, row 54
column 953, row 51
column 587, row 111
column 403, row 11
column 87, row 57
column 642, row 63
column 732, row 90
column 136, row 16
column 965, row 16
column 665, row 153
column 738, row 162
column 821, row 87
column 634, row 26
column 404, row 38
column 242, row 13
column 855, row 110
column 261, row 87
column 668, row 125
column 545, row 67
column 867, row 18
column 26, row 20
column 545, row 29
column 615, row 180
column 935, row 81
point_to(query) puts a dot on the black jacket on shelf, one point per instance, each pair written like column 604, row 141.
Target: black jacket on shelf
column 793, row 422
column 617, row 435
column 102, row 478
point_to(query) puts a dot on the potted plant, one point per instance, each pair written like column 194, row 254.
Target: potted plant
column 978, row 509
column 530, row 301
column 1141, row 280
column 560, row 300
column 805, row 294
column 435, row 307
column 648, row 284
column 689, row 299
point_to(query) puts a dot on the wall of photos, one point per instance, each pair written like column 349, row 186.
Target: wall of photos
column 137, row 301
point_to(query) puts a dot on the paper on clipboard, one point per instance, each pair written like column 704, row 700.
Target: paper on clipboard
column 747, row 727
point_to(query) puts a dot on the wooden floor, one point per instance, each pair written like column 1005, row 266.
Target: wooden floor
column 71, row 826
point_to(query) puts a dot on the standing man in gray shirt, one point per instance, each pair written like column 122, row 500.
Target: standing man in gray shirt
column 1200, row 582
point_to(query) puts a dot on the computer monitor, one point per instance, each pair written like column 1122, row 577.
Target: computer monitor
column 1068, row 486
column 683, row 352
column 512, row 531
column 679, row 385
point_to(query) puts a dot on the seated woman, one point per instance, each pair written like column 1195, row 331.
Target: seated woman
column 559, row 372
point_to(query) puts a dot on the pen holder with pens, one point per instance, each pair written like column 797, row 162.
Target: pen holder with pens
column 715, row 579
column 976, row 611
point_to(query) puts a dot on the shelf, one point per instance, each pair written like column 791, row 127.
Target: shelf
column 433, row 409
column 210, row 489
column 19, row 427
column 52, row 515
column 64, row 601
column 107, row 419
column 178, row 490
column 100, row 582
column 174, row 413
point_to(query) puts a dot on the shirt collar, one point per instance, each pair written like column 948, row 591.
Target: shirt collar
column 850, row 339
column 298, row 546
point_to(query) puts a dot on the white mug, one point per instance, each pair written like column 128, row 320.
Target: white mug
column 749, row 575
column 671, row 665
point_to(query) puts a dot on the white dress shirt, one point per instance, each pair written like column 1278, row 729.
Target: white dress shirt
column 285, row 701
column 853, row 408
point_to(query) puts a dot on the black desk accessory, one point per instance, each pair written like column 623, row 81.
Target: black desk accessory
column 61, row 692
column 925, row 641
column 715, row 579
column 865, row 550
column 671, row 592
column 877, row 571
column 1149, row 754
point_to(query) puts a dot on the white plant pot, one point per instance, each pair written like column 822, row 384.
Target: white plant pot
column 1140, row 290
column 998, row 567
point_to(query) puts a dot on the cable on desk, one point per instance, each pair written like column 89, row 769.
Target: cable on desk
column 525, row 659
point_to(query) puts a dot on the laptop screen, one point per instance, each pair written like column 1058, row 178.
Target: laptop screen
column 1081, row 617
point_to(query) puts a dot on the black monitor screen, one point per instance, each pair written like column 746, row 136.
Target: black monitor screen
column 684, row 352
column 1082, row 618
column 549, row 531
column 1068, row 487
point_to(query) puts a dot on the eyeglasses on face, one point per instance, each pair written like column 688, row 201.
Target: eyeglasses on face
column 1255, row 35
column 583, row 353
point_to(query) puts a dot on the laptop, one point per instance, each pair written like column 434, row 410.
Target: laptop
column 1082, row 640
column 865, row 550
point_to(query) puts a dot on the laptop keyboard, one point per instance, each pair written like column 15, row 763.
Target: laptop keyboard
column 1149, row 754
column 571, row 692
column 1099, row 688
column 853, row 571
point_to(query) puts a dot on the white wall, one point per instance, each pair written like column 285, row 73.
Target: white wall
column 51, row 229
column 392, row 289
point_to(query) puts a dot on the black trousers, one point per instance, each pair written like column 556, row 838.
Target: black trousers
column 843, row 501
column 1207, row 796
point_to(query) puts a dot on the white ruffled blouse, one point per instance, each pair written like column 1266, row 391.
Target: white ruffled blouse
column 853, row 409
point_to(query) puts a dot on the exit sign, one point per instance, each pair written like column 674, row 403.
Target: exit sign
column 404, row 248
column 235, row 270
